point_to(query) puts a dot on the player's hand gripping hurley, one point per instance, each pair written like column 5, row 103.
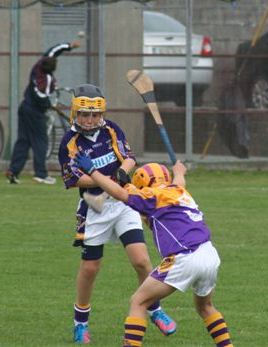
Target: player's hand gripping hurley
column 145, row 87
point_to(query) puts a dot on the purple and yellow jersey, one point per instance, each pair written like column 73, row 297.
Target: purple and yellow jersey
column 173, row 216
column 107, row 149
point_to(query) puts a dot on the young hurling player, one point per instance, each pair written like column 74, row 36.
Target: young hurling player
column 182, row 239
column 105, row 142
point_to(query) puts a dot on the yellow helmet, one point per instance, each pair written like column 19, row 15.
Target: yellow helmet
column 151, row 175
column 87, row 97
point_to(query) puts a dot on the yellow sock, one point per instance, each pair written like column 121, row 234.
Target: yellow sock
column 218, row 330
column 134, row 331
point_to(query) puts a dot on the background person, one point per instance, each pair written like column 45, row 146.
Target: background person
column 32, row 127
column 182, row 239
column 107, row 145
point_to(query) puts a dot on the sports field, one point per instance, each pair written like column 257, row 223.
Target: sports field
column 38, row 267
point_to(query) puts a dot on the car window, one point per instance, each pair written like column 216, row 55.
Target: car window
column 159, row 22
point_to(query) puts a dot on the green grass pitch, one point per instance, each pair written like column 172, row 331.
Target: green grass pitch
column 38, row 267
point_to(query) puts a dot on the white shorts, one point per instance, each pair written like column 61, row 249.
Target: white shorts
column 115, row 219
column 197, row 270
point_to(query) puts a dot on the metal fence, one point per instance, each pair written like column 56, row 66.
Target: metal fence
column 57, row 3
column 213, row 97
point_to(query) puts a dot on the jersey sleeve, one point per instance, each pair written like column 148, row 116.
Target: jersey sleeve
column 143, row 201
column 70, row 172
column 57, row 50
column 43, row 85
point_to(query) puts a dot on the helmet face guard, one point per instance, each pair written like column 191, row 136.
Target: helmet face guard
column 151, row 175
column 88, row 131
column 89, row 99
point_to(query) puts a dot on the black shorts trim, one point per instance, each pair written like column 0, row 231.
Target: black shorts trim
column 92, row 252
column 96, row 252
column 132, row 236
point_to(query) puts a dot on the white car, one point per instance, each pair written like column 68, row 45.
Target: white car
column 163, row 34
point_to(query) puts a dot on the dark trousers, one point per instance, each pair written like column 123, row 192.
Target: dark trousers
column 32, row 133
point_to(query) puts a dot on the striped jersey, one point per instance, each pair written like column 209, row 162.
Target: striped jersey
column 176, row 222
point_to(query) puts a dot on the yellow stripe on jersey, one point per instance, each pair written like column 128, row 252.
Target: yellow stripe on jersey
column 173, row 195
column 164, row 195
column 145, row 193
column 168, row 196
column 72, row 146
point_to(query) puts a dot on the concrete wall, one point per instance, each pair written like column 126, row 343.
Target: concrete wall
column 123, row 40
column 124, row 34
column 30, row 40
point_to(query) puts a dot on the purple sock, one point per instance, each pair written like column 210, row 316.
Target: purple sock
column 81, row 314
column 154, row 306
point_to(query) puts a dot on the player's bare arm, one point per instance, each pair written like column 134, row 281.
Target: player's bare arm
column 179, row 171
column 128, row 164
column 108, row 185
column 75, row 44
column 86, row 181
column 112, row 188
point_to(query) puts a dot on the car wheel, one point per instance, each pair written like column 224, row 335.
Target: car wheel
column 259, row 93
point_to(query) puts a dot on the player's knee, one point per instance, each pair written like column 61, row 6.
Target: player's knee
column 139, row 302
column 134, row 300
column 90, row 268
column 142, row 264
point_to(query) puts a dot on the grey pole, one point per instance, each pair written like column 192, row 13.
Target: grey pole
column 189, row 90
column 101, row 47
column 14, row 71
column 89, row 41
